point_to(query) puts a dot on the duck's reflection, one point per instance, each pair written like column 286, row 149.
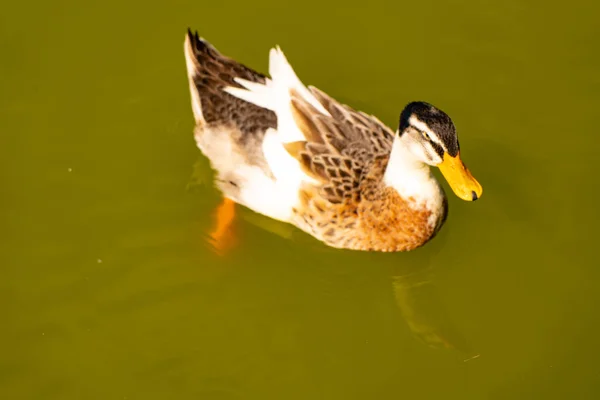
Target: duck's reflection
column 425, row 314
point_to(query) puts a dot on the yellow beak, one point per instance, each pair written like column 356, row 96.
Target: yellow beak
column 459, row 178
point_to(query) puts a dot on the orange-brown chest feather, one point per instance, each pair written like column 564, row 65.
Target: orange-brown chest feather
column 384, row 222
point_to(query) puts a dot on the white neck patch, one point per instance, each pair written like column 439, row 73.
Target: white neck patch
column 411, row 177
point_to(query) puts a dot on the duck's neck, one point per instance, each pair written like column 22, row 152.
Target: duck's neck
column 412, row 178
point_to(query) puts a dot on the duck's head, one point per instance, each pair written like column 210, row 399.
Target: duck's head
column 429, row 134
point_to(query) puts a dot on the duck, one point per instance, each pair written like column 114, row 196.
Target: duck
column 292, row 153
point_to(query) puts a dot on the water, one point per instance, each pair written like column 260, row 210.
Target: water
column 108, row 288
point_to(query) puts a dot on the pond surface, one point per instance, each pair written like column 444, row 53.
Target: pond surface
column 109, row 289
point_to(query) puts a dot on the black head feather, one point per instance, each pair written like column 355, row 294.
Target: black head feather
column 437, row 120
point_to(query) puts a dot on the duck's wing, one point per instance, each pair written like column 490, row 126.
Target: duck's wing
column 355, row 129
column 209, row 72
column 339, row 147
column 317, row 139
column 342, row 129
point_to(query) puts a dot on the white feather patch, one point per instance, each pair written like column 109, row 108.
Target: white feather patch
column 266, row 196
column 252, row 92
column 285, row 168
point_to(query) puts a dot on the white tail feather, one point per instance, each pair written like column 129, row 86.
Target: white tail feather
column 274, row 95
column 284, row 79
column 282, row 72
column 252, row 92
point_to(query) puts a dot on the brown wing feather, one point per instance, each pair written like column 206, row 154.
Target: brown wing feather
column 357, row 126
column 338, row 148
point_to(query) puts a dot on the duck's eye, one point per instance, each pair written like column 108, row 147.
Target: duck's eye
column 426, row 136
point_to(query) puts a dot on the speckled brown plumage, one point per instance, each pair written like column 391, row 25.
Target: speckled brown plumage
column 375, row 218
column 347, row 153
column 338, row 148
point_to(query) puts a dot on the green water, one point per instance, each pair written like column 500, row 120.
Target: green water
column 108, row 289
